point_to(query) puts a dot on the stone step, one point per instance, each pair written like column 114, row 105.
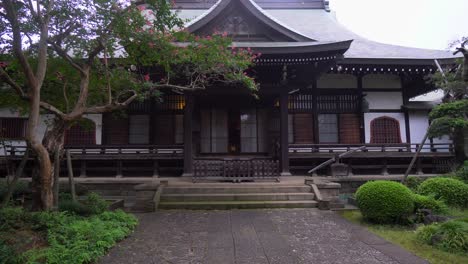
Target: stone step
column 237, row 197
column 234, row 188
column 226, row 205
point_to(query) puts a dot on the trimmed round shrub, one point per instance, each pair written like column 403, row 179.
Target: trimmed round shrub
column 454, row 192
column 429, row 202
column 385, row 201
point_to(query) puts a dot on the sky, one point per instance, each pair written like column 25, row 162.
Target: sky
column 430, row 24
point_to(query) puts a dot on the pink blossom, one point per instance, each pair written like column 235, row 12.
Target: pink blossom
column 141, row 7
column 146, row 77
column 225, row 34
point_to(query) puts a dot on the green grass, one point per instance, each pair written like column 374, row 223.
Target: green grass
column 406, row 238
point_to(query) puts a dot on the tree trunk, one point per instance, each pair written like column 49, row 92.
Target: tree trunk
column 51, row 143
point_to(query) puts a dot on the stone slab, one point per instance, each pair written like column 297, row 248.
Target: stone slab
column 279, row 236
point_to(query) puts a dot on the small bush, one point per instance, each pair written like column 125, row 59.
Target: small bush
column 451, row 236
column 385, row 201
column 8, row 254
column 95, row 203
column 21, row 187
column 462, row 172
column 413, row 182
column 453, row 192
column 92, row 205
column 429, row 202
column 11, row 217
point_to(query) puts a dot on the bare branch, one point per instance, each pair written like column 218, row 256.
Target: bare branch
column 92, row 54
column 52, row 109
column 6, row 77
column 62, row 53
column 65, row 96
column 17, row 42
column 113, row 106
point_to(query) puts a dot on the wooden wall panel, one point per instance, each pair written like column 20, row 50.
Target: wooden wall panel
column 164, row 129
column 303, row 128
column 114, row 130
column 349, row 129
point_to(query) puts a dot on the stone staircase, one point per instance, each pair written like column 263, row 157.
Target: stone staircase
column 236, row 196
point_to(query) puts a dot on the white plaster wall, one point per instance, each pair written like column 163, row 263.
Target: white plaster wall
column 443, row 139
column 368, row 117
column 419, row 122
column 343, row 81
column 381, row 81
column 384, row 100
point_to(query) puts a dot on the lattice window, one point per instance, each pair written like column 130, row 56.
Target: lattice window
column 385, row 130
column 338, row 103
column 81, row 134
column 13, row 128
column 172, row 102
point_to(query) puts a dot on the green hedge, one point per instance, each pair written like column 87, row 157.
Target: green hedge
column 385, row 201
column 429, row 202
column 454, row 192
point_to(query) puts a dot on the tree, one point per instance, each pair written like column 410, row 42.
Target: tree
column 72, row 58
column 451, row 117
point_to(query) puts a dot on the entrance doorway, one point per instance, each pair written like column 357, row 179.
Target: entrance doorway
column 234, row 132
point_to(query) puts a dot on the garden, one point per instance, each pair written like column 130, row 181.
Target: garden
column 78, row 232
column 428, row 217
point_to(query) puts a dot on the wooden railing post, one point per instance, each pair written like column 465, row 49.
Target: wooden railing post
column 83, row 169
column 155, row 168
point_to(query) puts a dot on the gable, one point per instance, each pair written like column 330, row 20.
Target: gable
column 243, row 20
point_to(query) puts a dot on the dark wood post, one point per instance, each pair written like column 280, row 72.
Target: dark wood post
column 284, row 148
column 362, row 131
column 188, row 145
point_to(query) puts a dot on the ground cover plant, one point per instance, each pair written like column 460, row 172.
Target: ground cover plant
column 406, row 237
column 437, row 227
column 68, row 236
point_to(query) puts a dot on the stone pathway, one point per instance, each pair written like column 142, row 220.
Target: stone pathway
column 283, row 236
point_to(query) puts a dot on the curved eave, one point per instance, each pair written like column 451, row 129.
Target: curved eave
column 295, row 47
column 253, row 8
column 398, row 61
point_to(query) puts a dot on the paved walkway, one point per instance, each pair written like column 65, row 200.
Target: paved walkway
column 283, row 236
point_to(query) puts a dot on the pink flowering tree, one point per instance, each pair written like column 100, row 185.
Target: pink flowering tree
column 69, row 58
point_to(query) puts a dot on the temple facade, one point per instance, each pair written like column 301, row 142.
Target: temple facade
column 323, row 91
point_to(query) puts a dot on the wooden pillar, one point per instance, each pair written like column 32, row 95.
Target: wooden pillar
column 284, row 145
column 188, row 145
column 362, row 131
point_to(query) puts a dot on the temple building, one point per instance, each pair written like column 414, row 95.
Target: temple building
column 323, row 91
